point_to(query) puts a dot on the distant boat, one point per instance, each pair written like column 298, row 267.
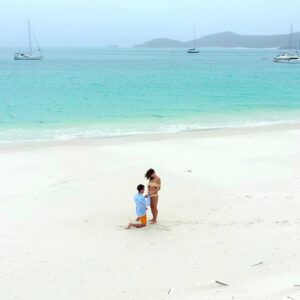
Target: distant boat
column 29, row 55
column 290, row 57
column 194, row 50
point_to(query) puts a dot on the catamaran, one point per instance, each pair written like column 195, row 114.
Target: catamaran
column 30, row 55
column 193, row 50
column 290, row 57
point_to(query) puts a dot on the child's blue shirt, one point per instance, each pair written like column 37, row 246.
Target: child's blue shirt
column 141, row 203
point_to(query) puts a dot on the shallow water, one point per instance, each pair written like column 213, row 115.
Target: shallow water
column 96, row 92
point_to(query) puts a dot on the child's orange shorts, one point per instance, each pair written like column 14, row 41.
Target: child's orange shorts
column 143, row 219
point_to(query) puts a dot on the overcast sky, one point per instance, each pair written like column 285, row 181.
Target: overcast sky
column 105, row 22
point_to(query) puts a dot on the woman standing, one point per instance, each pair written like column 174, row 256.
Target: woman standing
column 153, row 188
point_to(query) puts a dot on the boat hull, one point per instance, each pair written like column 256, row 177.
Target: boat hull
column 28, row 58
column 288, row 62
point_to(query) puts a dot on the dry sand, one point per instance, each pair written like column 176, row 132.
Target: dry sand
column 230, row 199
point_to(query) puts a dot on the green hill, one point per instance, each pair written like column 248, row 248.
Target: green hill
column 229, row 40
column 162, row 43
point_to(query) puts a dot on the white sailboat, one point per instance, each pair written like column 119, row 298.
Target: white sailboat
column 193, row 50
column 30, row 55
column 291, row 57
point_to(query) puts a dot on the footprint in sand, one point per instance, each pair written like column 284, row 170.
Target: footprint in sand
column 162, row 227
column 120, row 227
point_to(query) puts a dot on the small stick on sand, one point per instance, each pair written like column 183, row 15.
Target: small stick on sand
column 290, row 297
column 169, row 291
column 222, row 283
column 297, row 285
column 260, row 263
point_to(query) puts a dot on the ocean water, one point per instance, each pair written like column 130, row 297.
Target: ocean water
column 97, row 92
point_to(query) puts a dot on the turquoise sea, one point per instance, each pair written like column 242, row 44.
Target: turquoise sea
column 100, row 92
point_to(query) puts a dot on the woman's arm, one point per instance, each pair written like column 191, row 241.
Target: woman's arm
column 158, row 188
column 154, row 189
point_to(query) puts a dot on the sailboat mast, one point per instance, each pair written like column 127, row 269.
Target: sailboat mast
column 194, row 40
column 291, row 37
column 29, row 37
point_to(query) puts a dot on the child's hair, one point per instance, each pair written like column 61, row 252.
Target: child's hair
column 140, row 187
column 149, row 173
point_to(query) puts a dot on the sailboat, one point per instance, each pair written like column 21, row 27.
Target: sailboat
column 193, row 50
column 29, row 55
column 291, row 57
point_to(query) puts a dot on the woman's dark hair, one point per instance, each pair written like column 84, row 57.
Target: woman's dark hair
column 140, row 187
column 149, row 173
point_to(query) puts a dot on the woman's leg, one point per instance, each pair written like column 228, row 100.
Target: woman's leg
column 154, row 210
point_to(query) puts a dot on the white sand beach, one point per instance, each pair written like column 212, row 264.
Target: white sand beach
column 228, row 211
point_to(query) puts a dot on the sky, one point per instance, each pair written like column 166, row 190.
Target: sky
column 97, row 23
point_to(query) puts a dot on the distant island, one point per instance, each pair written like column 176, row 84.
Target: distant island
column 228, row 39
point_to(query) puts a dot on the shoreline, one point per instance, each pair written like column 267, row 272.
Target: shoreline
column 193, row 133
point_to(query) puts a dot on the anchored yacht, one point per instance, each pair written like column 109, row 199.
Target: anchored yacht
column 290, row 57
column 193, row 50
column 30, row 55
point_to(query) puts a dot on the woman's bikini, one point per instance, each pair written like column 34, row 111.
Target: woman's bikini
column 153, row 184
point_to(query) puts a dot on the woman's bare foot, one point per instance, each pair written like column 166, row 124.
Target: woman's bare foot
column 128, row 226
column 152, row 221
